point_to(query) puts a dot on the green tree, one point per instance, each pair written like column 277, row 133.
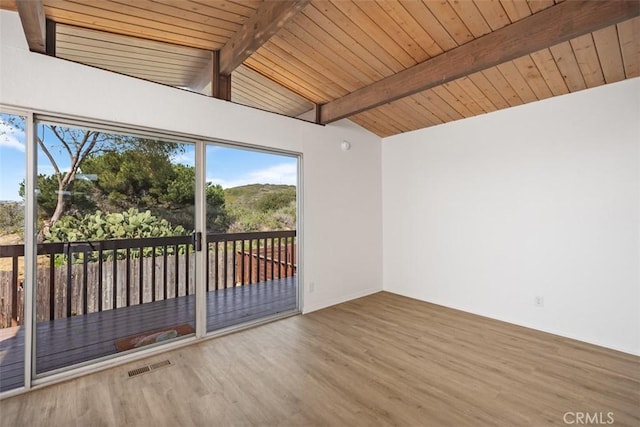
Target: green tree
column 125, row 172
column 181, row 192
column 148, row 180
column 181, row 189
column 76, row 145
column 218, row 218
column 77, row 198
column 133, row 177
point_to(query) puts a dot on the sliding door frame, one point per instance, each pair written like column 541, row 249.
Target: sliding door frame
column 29, row 243
column 201, row 227
column 30, row 250
column 299, row 236
column 161, row 137
column 31, row 381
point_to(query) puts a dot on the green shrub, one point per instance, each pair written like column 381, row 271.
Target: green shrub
column 274, row 201
column 130, row 224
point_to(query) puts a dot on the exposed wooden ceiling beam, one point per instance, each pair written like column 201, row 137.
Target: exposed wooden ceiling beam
column 268, row 19
column 220, row 83
column 551, row 26
column 33, row 22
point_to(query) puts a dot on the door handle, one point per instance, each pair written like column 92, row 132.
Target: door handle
column 197, row 240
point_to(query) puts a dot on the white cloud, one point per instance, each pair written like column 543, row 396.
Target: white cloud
column 284, row 173
column 9, row 136
column 187, row 159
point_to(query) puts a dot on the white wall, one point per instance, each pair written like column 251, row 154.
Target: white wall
column 342, row 190
column 487, row 213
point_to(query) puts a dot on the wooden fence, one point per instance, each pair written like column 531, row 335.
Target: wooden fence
column 266, row 262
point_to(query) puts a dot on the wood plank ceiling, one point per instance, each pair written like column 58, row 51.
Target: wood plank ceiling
column 333, row 48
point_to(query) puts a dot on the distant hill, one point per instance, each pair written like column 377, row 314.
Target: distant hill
column 261, row 207
column 254, row 196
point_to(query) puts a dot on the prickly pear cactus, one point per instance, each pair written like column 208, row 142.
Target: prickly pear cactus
column 130, row 224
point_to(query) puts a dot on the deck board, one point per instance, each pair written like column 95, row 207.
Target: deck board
column 77, row 339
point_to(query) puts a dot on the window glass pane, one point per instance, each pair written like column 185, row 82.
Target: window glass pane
column 251, row 235
column 12, row 175
column 115, row 265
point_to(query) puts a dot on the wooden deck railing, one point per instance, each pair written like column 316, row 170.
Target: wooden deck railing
column 84, row 277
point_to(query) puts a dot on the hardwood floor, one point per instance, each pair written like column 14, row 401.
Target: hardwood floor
column 379, row 360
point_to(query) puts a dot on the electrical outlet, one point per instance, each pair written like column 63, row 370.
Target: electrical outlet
column 539, row 301
column 312, row 286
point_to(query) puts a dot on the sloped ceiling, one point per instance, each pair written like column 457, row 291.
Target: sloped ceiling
column 390, row 66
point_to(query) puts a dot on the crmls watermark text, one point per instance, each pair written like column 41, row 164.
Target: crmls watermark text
column 588, row 418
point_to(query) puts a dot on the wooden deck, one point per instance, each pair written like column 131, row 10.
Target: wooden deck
column 68, row 341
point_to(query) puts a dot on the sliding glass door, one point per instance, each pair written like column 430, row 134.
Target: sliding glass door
column 113, row 247
column 12, row 265
column 251, row 254
column 115, row 261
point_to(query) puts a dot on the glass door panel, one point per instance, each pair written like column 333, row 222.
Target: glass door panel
column 251, row 265
column 12, row 175
column 116, row 266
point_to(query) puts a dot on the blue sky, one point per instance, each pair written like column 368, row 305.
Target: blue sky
column 229, row 167
column 12, row 159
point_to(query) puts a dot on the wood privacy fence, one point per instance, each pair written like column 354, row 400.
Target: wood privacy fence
column 266, row 262
column 110, row 274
